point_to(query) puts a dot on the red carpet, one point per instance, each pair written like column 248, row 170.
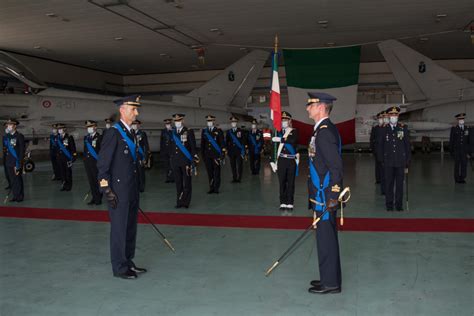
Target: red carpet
column 447, row 225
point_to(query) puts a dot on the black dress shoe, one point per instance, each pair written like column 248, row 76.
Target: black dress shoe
column 90, row 203
column 389, row 209
column 315, row 283
column 178, row 206
column 210, row 191
column 321, row 289
column 62, row 189
column 216, row 192
column 234, row 181
column 129, row 275
column 12, row 200
column 8, row 188
column 138, row 270
column 399, row 209
column 462, row 181
column 98, row 203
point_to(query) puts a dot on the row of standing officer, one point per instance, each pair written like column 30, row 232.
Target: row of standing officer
column 390, row 143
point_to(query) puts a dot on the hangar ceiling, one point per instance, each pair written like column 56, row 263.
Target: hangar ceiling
column 157, row 36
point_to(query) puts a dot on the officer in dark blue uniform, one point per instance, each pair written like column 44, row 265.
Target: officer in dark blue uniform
column 324, row 184
column 144, row 152
column 14, row 160
column 53, row 152
column 184, row 160
column 165, row 147
column 5, row 140
column 118, row 179
column 236, row 145
column 460, row 148
column 374, row 138
column 108, row 124
column 288, row 160
column 213, row 153
column 255, row 146
column 394, row 153
column 92, row 143
column 65, row 156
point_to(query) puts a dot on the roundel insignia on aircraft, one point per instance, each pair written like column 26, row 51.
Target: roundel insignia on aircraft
column 46, row 104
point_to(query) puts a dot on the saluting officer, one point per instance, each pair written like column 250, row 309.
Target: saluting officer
column 255, row 146
column 143, row 151
column 288, row 160
column 184, row 159
column 53, row 152
column 5, row 140
column 459, row 147
column 213, row 153
column 14, row 160
column 118, row 179
column 236, row 145
column 394, row 153
column 324, row 183
column 65, row 156
column 165, row 147
column 92, row 143
column 374, row 138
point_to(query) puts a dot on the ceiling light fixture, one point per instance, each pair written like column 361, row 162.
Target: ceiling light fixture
column 37, row 47
column 424, row 39
column 443, row 15
column 119, row 38
column 215, row 29
column 51, row 15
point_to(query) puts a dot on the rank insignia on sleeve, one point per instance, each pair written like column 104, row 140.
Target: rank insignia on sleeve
column 336, row 188
column 104, row 183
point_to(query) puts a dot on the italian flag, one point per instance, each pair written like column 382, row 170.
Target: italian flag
column 331, row 70
column 275, row 103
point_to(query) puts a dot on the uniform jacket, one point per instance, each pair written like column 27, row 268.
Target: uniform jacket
column 186, row 136
column 325, row 145
column 69, row 144
column 207, row 149
column 233, row 149
column 393, row 146
column 95, row 143
column 142, row 139
column 258, row 137
column 116, row 165
column 165, row 142
column 459, row 141
column 374, row 137
column 292, row 140
column 17, row 142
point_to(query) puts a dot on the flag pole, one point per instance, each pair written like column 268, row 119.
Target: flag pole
column 275, row 56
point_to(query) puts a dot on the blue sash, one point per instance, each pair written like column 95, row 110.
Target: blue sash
column 12, row 152
column 91, row 149
column 212, row 141
column 181, row 147
column 129, row 142
column 235, row 140
column 292, row 151
column 256, row 146
column 63, row 149
column 320, row 195
column 52, row 141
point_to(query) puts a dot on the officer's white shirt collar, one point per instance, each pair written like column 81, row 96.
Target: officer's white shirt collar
column 461, row 126
column 13, row 132
column 129, row 129
column 92, row 135
column 319, row 122
column 393, row 125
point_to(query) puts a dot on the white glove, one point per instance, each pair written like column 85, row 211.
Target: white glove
column 276, row 139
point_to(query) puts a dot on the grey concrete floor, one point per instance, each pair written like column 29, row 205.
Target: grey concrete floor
column 62, row 267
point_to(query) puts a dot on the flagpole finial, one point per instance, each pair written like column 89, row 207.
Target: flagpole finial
column 276, row 43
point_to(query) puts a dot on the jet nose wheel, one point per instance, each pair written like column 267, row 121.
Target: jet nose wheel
column 29, row 165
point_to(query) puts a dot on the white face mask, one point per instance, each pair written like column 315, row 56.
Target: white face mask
column 7, row 131
column 178, row 124
column 284, row 124
column 107, row 125
column 61, row 131
column 134, row 127
column 386, row 120
column 461, row 122
column 90, row 130
column 168, row 126
column 393, row 120
column 9, row 128
column 55, row 131
column 254, row 126
column 233, row 124
column 380, row 121
column 210, row 124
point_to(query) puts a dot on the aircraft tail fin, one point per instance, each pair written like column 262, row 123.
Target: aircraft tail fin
column 419, row 77
column 231, row 87
column 13, row 67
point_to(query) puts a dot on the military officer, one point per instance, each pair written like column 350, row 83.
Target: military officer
column 236, row 145
column 288, row 160
column 394, row 153
column 66, row 156
column 255, row 146
column 324, row 183
column 184, row 159
column 92, row 143
column 108, row 123
column 118, row 179
column 143, row 151
column 53, row 152
column 165, row 147
column 213, row 153
column 459, row 147
column 5, row 140
column 373, row 145
column 14, row 160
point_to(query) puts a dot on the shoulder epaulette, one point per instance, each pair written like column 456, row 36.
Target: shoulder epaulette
column 324, row 126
